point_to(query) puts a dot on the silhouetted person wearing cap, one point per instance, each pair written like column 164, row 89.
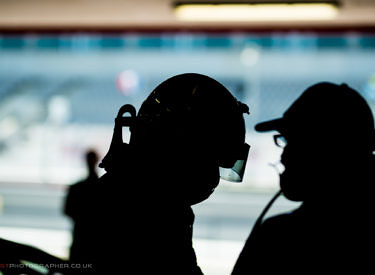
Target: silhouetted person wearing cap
column 79, row 207
column 329, row 166
column 186, row 130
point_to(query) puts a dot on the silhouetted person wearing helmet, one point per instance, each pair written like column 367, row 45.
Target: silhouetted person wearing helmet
column 187, row 130
column 328, row 160
column 78, row 206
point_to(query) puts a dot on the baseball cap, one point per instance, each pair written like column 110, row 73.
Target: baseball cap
column 325, row 107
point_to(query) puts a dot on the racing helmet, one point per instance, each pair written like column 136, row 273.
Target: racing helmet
column 198, row 114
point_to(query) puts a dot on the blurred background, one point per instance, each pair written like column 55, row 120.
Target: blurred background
column 67, row 66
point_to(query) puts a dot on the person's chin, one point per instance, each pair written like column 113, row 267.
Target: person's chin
column 291, row 186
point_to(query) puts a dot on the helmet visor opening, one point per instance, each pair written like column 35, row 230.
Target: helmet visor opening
column 235, row 173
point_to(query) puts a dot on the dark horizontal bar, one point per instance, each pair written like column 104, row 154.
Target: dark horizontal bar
column 255, row 2
column 185, row 29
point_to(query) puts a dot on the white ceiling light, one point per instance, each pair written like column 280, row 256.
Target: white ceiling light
column 277, row 11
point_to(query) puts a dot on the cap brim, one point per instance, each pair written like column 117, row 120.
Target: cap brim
column 271, row 125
